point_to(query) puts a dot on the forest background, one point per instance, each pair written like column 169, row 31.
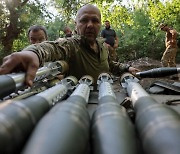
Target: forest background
column 136, row 23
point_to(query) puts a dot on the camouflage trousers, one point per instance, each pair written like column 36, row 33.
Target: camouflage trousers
column 113, row 54
column 169, row 57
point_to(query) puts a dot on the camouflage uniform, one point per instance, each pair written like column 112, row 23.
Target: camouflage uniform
column 169, row 56
column 113, row 54
column 81, row 58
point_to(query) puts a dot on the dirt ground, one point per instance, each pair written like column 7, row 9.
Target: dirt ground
column 146, row 64
column 165, row 96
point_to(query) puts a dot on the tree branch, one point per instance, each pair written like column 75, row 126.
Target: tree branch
column 24, row 3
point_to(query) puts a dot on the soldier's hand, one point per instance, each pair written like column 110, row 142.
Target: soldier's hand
column 25, row 61
column 133, row 70
column 115, row 45
column 107, row 45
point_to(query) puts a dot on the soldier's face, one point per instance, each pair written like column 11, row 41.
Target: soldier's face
column 107, row 24
column 37, row 37
column 165, row 28
column 88, row 23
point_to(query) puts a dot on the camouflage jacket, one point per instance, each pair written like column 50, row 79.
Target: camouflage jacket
column 81, row 58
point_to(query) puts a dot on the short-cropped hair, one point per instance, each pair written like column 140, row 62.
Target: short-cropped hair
column 36, row 28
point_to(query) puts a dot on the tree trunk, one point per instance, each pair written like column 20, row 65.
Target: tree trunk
column 12, row 30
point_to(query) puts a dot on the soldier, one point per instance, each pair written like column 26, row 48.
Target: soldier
column 67, row 32
column 169, row 56
column 111, row 40
column 37, row 34
column 84, row 53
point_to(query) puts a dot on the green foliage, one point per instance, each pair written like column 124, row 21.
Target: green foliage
column 138, row 26
column 55, row 28
column 17, row 16
column 67, row 8
column 21, row 42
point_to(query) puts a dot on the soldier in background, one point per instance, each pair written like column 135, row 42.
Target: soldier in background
column 169, row 56
column 111, row 40
column 67, row 32
column 37, row 34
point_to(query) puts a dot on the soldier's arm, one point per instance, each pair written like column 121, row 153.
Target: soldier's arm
column 174, row 35
column 116, row 42
column 118, row 68
column 51, row 50
column 34, row 56
column 102, row 34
